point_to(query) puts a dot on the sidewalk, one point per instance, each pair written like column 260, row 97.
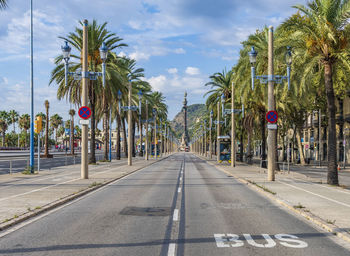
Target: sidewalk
column 325, row 205
column 23, row 196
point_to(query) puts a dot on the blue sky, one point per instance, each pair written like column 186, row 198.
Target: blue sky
column 180, row 43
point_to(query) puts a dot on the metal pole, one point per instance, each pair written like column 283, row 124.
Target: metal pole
column 205, row 138
column 146, row 135
column 31, row 92
column 218, row 134
column 85, row 79
column 110, row 135
column 155, row 136
column 233, row 128
column 130, row 146
column 271, row 106
column 38, row 152
column 319, row 136
column 210, row 138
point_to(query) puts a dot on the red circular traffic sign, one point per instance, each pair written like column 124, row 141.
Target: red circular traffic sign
column 84, row 112
column 272, row 117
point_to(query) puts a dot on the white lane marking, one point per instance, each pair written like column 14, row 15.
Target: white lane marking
column 220, row 241
column 179, row 190
column 329, row 199
column 176, row 215
column 171, row 250
column 180, row 178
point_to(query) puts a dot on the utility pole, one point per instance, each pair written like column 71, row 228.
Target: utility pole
column 155, row 135
column 218, row 133
column 271, row 139
column 130, row 147
column 85, row 79
column 233, row 127
column 146, row 135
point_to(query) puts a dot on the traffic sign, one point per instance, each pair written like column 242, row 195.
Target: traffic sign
column 82, row 121
column 84, row 112
column 272, row 126
column 272, row 117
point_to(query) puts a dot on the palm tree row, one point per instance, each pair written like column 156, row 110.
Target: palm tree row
column 104, row 101
column 319, row 36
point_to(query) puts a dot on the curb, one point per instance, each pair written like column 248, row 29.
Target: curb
column 307, row 215
column 25, row 216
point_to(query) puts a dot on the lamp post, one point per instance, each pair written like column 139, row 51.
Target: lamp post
column 118, row 135
column 205, row 138
column 155, row 132
column 233, row 127
column 218, row 133
column 146, row 135
column 103, row 56
column 129, row 128
column 31, row 92
column 140, row 121
column 210, row 131
column 271, row 79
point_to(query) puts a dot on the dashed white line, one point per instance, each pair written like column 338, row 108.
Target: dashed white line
column 176, row 215
column 179, row 190
column 171, row 250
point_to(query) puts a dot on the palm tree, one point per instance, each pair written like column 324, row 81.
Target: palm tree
column 97, row 34
column 13, row 115
column 3, row 4
column 320, row 31
column 24, row 123
column 55, row 122
column 72, row 113
column 3, row 128
column 47, row 106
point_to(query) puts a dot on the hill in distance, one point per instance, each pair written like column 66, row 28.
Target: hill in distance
column 194, row 112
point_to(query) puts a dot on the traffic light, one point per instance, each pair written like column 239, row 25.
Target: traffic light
column 38, row 124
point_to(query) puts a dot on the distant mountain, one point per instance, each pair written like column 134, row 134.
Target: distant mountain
column 194, row 112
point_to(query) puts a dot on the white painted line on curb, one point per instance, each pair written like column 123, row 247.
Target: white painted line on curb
column 176, row 215
column 179, row 190
column 171, row 250
column 329, row 199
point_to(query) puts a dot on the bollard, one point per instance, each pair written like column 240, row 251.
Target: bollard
column 74, row 159
column 66, row 160
column 10, row 166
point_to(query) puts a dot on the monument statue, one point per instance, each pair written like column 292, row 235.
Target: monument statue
column 185, row 138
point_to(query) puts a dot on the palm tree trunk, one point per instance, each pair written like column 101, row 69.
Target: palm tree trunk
column 105, row 131
column 118, row 137
column 241, row 147
column 249, row 148
column 300, row 146
column 332, row 174
column 341, row 130
column 3, row 139
column 125, row 143
column 93, row 127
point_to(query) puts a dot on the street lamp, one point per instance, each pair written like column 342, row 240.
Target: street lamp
column 119, row 112
column 140, row 121
column 210, row 138
column 271, row 79
column 154, row 110
column 103, row 56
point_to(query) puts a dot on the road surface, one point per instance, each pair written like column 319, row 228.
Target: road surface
column 178, row 206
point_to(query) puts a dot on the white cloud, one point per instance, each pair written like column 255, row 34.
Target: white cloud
column 179, row 51
column 172, row 70
column 158, row 83
column 192, row 71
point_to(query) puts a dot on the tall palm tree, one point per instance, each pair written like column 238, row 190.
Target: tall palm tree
column 97, row 34
column 55, row 122
column 24, row 123
column 3, row 128
column 13, row 115
column 321, row 31
column 72, row 113
column 3, row 4
column 47, row 106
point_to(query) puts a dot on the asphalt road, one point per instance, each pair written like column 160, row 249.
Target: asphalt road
column 178, row 206
column 20, row 163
